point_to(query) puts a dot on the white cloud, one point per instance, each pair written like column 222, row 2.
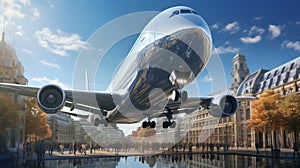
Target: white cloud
column 26, row 51
column 254, row 35
column 35, row 13
column 51, row 65
column 10, row 8
column 19, row 33
column 258, row 18
column 25, row 2
column 45, row 81
column 223, row 50
column 255, row 39
column 60, row 42
column 215, row 26
column 291, row 45
column 275, row 31
column 256, row 30
column 17, row 9
column 232, row 27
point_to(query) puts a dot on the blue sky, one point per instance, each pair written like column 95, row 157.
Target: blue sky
column 48, row 35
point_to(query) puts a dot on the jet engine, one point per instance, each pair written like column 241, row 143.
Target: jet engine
column 51, row 98
column 223, row 106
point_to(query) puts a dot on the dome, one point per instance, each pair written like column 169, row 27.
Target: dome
column 11, row 69
column 8, row 56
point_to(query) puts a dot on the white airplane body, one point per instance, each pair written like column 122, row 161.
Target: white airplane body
column 170, row 52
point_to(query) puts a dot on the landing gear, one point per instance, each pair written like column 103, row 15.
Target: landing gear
column 99, row 121
column 169, row 123
column 150, row 124
column 176, row 95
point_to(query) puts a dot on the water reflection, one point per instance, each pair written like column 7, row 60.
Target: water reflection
column 174, row 160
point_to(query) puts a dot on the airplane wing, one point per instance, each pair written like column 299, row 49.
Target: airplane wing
column 102, row 100
column 217, row 106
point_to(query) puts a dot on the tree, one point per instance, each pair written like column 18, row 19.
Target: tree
column 36, row 123
column 9, row 114
column 144, row 132
column 290, row 106
column 266, row 113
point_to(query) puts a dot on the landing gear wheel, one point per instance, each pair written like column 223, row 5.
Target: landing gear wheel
column 172, row 124
column 165, row 124
column 145, row 124
column 97, row 122
column 152, row 124
column 102, row 121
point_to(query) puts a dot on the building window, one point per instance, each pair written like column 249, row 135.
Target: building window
column 247, row 114
column 292, row 66
column 275, row 73
column 283, row 69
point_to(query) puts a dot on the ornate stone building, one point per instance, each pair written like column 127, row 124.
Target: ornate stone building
column 12, row 71
column 199, row 126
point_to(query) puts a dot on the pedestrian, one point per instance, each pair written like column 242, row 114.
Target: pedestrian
column 296, row 148
column 43, row 150
column 71, row 148
column 257, row 147
column 51, row 148
column 218, row 147
column 74, row 148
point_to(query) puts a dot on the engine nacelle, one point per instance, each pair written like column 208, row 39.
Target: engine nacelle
column 51, row 98
column 223, row 106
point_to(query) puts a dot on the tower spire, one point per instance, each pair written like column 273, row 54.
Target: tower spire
column 3, row 34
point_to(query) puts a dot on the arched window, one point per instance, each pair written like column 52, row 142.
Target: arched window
column 292, row 66
column 283, row 69
column 275, row 73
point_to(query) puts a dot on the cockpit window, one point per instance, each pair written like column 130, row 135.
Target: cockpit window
column 194, row 12
column 185, row 11
column 175, row 13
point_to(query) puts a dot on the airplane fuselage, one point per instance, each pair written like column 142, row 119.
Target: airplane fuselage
column 170, row 52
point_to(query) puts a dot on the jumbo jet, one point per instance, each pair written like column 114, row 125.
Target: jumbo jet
column 170, row 52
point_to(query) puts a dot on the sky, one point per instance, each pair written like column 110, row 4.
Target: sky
column 48, row 35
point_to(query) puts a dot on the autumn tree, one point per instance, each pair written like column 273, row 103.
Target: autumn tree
column 36, row 124
column 265, row 112
column 9, row 114
column 290, row 106
column 144, row 132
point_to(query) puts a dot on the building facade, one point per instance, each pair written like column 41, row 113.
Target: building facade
column 200, row 127
column 12, row 71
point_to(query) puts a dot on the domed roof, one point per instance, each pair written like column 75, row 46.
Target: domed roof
column 8, row 56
